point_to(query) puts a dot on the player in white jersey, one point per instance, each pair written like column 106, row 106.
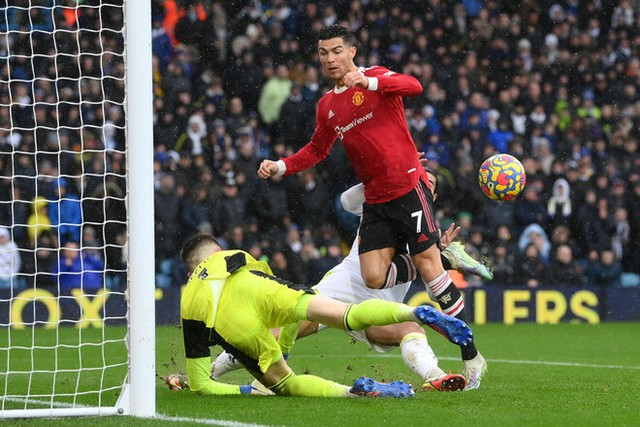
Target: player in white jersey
column 345, row 283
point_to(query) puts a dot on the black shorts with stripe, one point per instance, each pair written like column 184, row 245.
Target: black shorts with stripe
column 408, row 220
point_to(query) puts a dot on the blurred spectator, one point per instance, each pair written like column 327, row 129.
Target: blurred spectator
column 269, row 204
column 65, row 213
column 167, row 225
column 78, row 269
column 228, row 210
column 605, row 272
column 529, row 209
column 561, row 235
column 38, row 267
column 197, row 210
column 237, row 238
column 318, row 267
column 503, row 264
column 280, row 266
column 309, row 200
column 195, row 141
column 117, row 262
column 559, row 206
column 274, row 94
column 563, row 270
column 39, row 220
column 501, row 137
column 529, row 271
column 90, row 243
column 9, row 262
column 534, row 235
column 297, row 119
column 292, row 250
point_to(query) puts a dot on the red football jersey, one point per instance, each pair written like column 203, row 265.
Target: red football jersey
column 372, row 126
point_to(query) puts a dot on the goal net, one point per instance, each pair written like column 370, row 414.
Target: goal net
column 76, row 281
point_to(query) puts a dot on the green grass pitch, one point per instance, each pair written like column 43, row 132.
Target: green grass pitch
column 561, row 375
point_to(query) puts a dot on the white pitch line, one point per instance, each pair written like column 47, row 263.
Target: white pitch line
column 205, row 421
column 161, row 417
column 48, row 403
column 514, row 362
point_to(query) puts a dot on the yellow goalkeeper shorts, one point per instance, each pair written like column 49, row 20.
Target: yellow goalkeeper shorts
column 251, row 304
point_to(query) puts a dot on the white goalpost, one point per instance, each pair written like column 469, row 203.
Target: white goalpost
column 77, row 288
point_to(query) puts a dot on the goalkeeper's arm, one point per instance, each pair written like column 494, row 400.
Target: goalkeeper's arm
column 196, row 345
column 201, row 382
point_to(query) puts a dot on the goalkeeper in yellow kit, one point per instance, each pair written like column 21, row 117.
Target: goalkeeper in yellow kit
column 234, row 301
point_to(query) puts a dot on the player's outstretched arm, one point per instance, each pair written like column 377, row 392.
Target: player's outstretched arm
column 198, row 371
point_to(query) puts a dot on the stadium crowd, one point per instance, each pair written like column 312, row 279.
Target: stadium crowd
column 555, row 83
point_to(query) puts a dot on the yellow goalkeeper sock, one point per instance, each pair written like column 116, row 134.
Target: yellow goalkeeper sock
column 376, row 312
column 309, row 386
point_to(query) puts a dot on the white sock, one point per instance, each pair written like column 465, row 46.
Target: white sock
column 223, row 364
column 419, row 357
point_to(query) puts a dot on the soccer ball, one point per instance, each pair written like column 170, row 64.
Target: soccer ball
column 502, row 177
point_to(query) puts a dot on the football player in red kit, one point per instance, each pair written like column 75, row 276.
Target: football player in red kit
column 366, row 112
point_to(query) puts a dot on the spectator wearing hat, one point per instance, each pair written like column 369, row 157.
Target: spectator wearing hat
column 559, row 206
column 39, row 220
column 194, row 140
column 535, row 235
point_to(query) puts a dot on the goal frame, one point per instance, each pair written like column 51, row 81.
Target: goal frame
column 138, row 393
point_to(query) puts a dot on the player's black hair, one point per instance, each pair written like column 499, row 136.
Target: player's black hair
column 435, row 175
column 193, row 243
column 335, row 30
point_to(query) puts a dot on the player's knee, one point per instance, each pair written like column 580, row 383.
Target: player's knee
column 374, row 277
column 407, row 328
column 428, row 266
column 373, row 280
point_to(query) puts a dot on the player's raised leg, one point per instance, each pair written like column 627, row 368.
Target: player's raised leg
column 379, row 313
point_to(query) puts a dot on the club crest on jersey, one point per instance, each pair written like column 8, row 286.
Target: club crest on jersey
column 358, row 98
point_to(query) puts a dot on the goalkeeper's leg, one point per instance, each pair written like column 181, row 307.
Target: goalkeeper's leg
column 286, row 335
column 375, row 312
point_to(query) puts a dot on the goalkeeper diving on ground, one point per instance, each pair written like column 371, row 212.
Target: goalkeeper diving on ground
column 234, row 301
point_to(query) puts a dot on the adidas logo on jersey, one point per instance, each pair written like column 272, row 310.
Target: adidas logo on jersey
column 331, row 114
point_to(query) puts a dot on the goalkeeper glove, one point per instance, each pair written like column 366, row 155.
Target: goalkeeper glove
column 177, row 382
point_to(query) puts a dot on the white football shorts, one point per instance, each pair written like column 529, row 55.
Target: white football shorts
column 344, row 283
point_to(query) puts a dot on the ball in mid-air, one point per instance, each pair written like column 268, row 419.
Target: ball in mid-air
column 502, row 177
